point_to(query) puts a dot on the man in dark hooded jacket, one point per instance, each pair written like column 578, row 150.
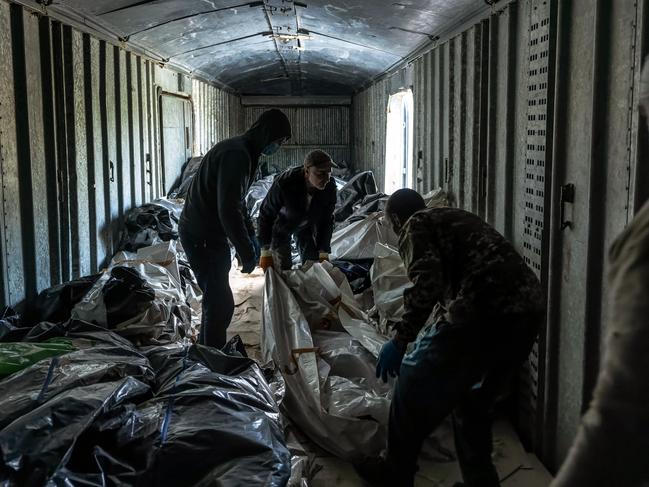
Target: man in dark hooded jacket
column 300, row 202
column 214, row 213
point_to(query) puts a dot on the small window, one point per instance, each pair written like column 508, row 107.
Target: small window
column 399, row 135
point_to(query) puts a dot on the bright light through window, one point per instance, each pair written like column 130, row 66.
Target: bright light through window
column 398, row 153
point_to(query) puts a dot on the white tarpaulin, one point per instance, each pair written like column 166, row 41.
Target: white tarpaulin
column 357, row 240
column 332, row 393
column 389, row 280
column 164, row 317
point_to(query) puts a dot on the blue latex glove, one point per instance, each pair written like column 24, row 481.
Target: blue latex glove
column 389, row 360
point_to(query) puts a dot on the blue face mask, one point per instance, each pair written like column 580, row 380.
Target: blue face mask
column 270, row 149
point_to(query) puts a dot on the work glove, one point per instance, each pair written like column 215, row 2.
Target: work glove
column 266, row 259
column 390, row 358
column 322, row 256
column 249, row 266
column 256, row 247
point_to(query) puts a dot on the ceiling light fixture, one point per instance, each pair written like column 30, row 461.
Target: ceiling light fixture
column 290, row 37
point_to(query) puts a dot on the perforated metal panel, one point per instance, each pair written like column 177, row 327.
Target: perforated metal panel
column 536, row 186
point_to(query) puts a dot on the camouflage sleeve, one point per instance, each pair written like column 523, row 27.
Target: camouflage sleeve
column 423, row 263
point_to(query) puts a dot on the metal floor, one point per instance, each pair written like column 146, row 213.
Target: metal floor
column 516, row 467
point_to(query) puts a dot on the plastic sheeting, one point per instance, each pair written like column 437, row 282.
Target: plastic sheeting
column 436, row 198
column 108, row 414
column 55, row 304
column 158, row 309
column 389, row 280
column 34, row 445
column 355, row 237
column 212, row 420
column 12, row 328
column 352, row 193
column 101, row 411
column 180, row 191
column 256, row 194
column 357, row 273
column 17, row 356
column 150, row 224
column 332, row 393
column 357, row 240
column 101, row 356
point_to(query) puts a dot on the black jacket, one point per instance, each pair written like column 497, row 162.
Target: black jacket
column 284, row 209
column 214, row 208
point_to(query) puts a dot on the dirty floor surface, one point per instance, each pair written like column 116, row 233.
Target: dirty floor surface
column 516, row 467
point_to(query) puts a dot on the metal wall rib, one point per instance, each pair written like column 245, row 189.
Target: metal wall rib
column 79, row 146
column 369, row 119
column 217, row 116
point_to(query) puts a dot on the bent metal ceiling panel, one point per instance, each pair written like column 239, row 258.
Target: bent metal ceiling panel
column 277, row 47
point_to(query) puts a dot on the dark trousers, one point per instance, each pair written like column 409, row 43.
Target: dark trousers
column 211, row 265
column 305, row 240
column 461, row 370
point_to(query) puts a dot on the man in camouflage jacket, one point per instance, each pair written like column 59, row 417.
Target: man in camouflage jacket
column 494, row 306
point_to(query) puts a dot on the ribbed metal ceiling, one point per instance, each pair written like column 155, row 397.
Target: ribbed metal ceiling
column 278, row 47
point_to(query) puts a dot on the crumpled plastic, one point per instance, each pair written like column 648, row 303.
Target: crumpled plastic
column 108, row 414
column 372, row 203
column 352, row 193
column 150, row 224
column 356, row 241
column 357, row 273
column 332, row 393
column 389, row 281
column 303, row 466
column 99, row 356
column 19, row 355
column 55, row 303
column 436, row 198
column 212, row 421
column 12, row 328
column 34, row 445
column 180, row 190
column 160, row 309
column 256, row 194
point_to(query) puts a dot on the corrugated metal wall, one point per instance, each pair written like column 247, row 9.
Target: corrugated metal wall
column 313, row 127
column 539, row 95
column 79, row 145
column 369, row 121
column 218, row 115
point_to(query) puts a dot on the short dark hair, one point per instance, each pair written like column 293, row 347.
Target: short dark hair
column 404, row 203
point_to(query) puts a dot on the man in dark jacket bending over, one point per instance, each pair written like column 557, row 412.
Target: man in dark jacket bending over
column 301, row 201
column 214, row 213
column 493, row 309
